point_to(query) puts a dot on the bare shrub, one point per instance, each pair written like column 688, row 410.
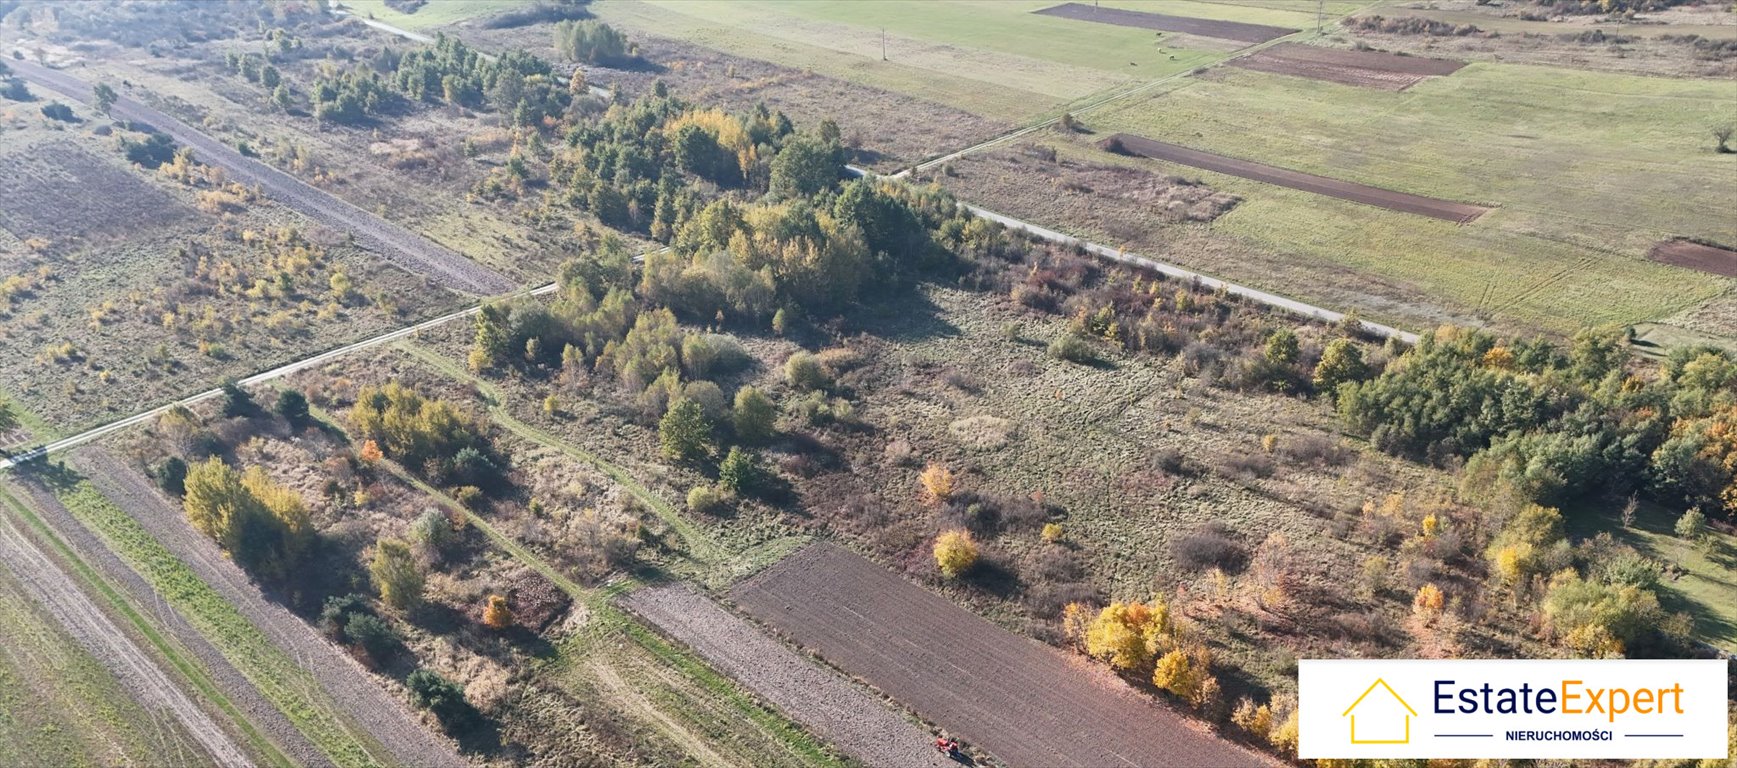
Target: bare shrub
column 1213, row 545
column 1246, row 466
column 1314, row 450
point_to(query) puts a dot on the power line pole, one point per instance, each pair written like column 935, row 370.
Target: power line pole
column 1320, row 16
column 883, row 43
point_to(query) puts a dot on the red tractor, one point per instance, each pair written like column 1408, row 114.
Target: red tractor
column 948, row 747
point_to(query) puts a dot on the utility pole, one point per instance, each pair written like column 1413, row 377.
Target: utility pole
column 1320, row 16
column 883, row 43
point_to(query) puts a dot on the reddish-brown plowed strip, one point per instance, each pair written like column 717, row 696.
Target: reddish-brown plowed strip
column 829, row 705
column 1370, row 69
column 1707, row 258
column 1024, row 702
column 1224, row 30
column 1308, row 182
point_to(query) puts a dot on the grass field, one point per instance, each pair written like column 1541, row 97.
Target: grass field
column 1586, row 172
column 995, row 59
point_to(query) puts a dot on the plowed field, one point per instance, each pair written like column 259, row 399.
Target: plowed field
column 1224, row 30
column 1024, row 702
column 1308, row 182
column 1706, row 258
column 1370, row 69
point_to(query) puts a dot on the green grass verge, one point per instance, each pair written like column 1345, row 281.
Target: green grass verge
column 1707, row 590
column 189, row 670
column 277, row 677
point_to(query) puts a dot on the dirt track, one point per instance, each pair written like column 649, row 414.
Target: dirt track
column 58, row 594
column 410, row 251
column 1223, row 30
column 1026, row 703
column 349, row 686
column 1370, row 69
column 1358, row 193
column 234, row 685
column 818, row 698
column 1692, row 255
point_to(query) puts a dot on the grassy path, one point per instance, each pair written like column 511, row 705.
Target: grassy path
column 701, row 546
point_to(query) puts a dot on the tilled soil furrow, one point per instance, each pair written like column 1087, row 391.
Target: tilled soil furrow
column 1223, row 30
column 344, row 680
column 825, row 703
column 224, row 675
column 1026, row 703
column 57, row 593
column 409, row 250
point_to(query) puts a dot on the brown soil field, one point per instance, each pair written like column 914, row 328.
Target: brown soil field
column 411, row 251
column 1025, row 703
column 1224, row 30
column 1358, row 193
column 1369, row 69
column 1706, row 258
column 834, row 709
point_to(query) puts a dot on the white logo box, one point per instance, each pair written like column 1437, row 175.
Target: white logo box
column 1627, row 708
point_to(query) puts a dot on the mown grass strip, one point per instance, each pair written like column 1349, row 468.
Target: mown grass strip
column 277, row 677
column 190, row 671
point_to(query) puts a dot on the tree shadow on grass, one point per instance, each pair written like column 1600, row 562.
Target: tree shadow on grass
column 905, row 315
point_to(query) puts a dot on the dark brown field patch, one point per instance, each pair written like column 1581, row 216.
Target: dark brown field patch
column 1224, row 30
column 1699, row 256
column 1404, row 202
column 56, row 190
column 1370, row 69
column 1024, row 702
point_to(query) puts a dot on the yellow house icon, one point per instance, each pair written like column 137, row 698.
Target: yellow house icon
column 1385, row 724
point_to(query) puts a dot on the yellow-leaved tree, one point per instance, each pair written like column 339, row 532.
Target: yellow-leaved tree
column 955, row 552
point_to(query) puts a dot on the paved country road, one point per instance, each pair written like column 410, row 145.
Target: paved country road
column 410, row 251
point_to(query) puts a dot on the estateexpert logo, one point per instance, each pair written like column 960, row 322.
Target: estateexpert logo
column 1413, row 708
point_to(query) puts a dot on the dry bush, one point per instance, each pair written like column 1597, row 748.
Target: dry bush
column 1315, row 450
column 1213, row 545
column 1246, row 466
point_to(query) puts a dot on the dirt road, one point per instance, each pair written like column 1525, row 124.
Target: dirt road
column 224, row 676
column 1024, row 702
column 346, row 683
column 827, row 704
column 410, row 251
column 57, row 593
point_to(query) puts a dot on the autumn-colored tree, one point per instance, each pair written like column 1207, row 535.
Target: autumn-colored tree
column 1341, row 361
column 1256, row 720
column 396, row 574
column 955, row 552
column 1128, row 635
column 1052, row 532
column 1427, row 604
column 937, row 483
column 1076, row 620
column 1182, row 671
column 262, row 526
column 497, row 615
column 370, row 453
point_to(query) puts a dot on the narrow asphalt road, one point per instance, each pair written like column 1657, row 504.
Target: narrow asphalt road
column 410, row 251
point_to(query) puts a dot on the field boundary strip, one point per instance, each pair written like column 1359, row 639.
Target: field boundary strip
column 1404, row 202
